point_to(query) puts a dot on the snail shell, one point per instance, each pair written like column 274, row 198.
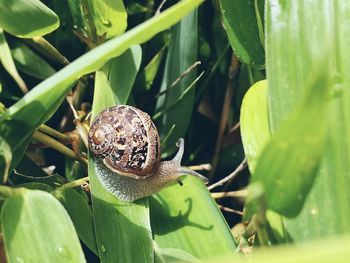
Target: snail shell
column 125, row 147
column 127, row 141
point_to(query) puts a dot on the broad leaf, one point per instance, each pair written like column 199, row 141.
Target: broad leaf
column 327, row 210
column 30, row 63
column 288, row 165
column 37, row 228
column 80, row 214
column 128, row 235
column 27, row 18
column 243, row 20
column 254, row 122
column 187, row 218
column 324, row 251
column 110, row 17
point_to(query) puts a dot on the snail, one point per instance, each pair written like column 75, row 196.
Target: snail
column 125, row 147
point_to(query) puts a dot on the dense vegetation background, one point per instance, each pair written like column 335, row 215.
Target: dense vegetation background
column 258, row 89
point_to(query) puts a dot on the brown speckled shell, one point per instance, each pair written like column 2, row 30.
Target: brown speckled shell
column 127, row 141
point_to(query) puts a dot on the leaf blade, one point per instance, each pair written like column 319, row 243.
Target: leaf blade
column 37, row 228
column 286, row 83
column 295, row 151
column 254, row 122
column 241, row 25
column 129, row 226
column 16, row 14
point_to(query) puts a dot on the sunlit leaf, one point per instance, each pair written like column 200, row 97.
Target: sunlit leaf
column 326, row 211
column 128, row 236
column 288, row 165
column 322, row 251
column 37, row 228
column 27, row 18
column 80, row 213
column 122, row 74
column 254, row 122
column 110, row 17
column 179, row 221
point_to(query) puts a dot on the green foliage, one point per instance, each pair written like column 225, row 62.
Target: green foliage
column 243, row 21
column 326, row 210
column 110, row 17
column 16, row 14
column 288, row 165
column 107, row 209
column 182, row 53
column 194, row 66
column 28, row 218
column 254, row 121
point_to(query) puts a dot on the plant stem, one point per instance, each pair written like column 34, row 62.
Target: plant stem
column 47, row 140
column 192, row 85
column 50, row 131
column 240, row 167
column 200, row 167
column 176, row 81
column 235, row 194
column 225, row 114
column 230, row 210
column 76, row 183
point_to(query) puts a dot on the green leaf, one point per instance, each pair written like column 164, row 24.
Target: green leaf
column 181, row 55
column 242, row 20
column 37, row 186
column 177, row 217
column 152, row 68
column 254, row 122
column 19, row 122
column 30, row 63
column 110, row 17
column 128, row 235
column 255, row 133
column 45, row 49
column 136, row 8
column 172, row 254
column 36, row 228
column 288, row 165
column 187, row 218
column 27, row 18
column 326, row 211
column 122, row 74
column 6, row 157
column 334, row 249
column 80, row 213
column 8, row 63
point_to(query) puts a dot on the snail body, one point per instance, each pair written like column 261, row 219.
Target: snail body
column 125, row 147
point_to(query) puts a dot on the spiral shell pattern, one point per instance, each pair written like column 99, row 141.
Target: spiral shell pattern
column 127, row 141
